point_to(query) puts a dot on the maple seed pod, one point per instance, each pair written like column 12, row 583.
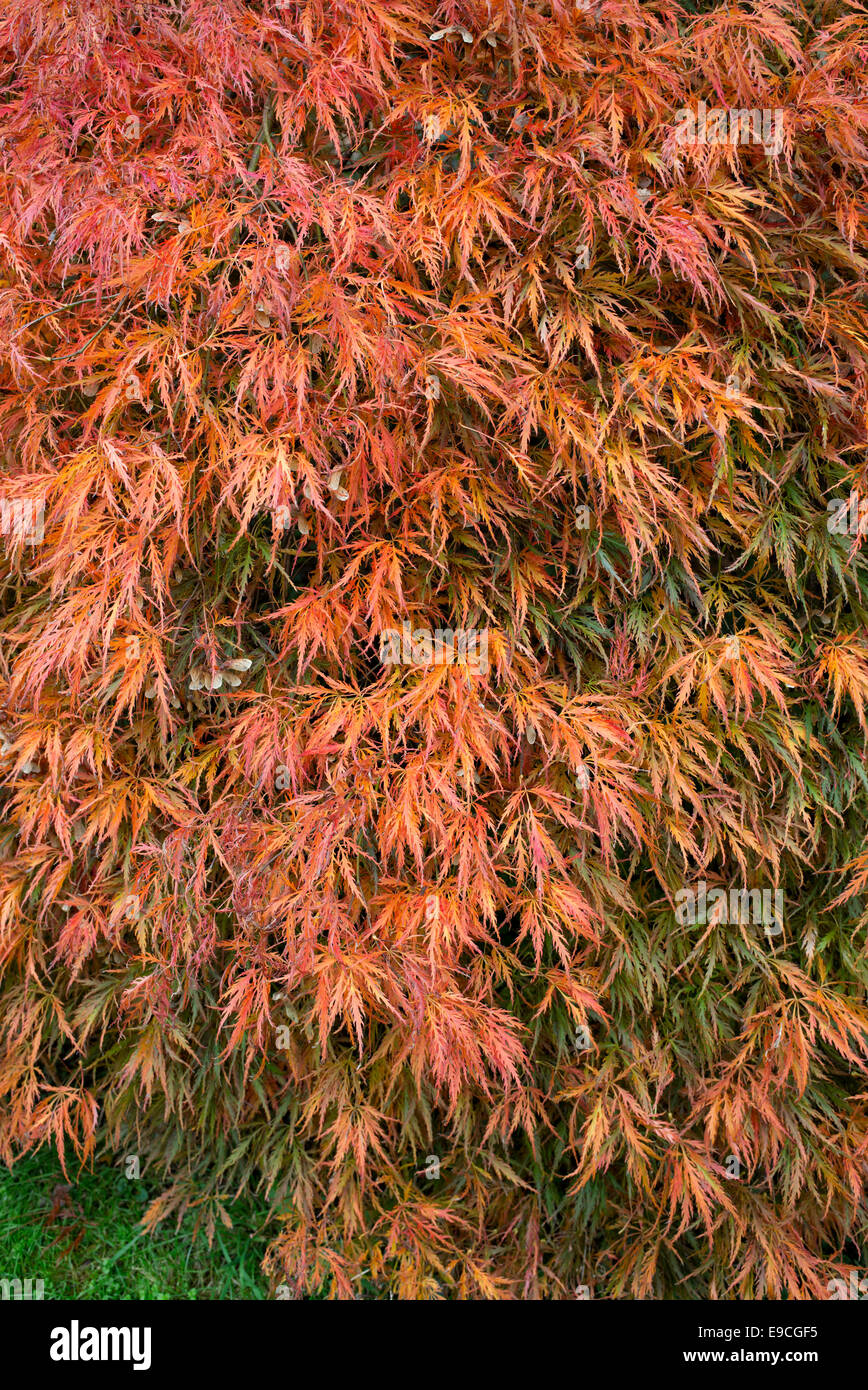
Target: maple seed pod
column 303, row 526
column 453, row 29
column 432, row 387
column 308, row 492
column 238, row 663
column 336, row 479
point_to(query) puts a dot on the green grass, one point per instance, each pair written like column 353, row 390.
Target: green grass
column 89, row 1243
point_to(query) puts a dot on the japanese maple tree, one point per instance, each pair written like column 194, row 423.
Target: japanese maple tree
column 326, row 322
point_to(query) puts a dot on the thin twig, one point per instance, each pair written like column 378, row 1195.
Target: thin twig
column 67, row 355
column 264, row 136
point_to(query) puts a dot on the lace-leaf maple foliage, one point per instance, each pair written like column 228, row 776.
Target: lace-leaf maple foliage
column 319, row 320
